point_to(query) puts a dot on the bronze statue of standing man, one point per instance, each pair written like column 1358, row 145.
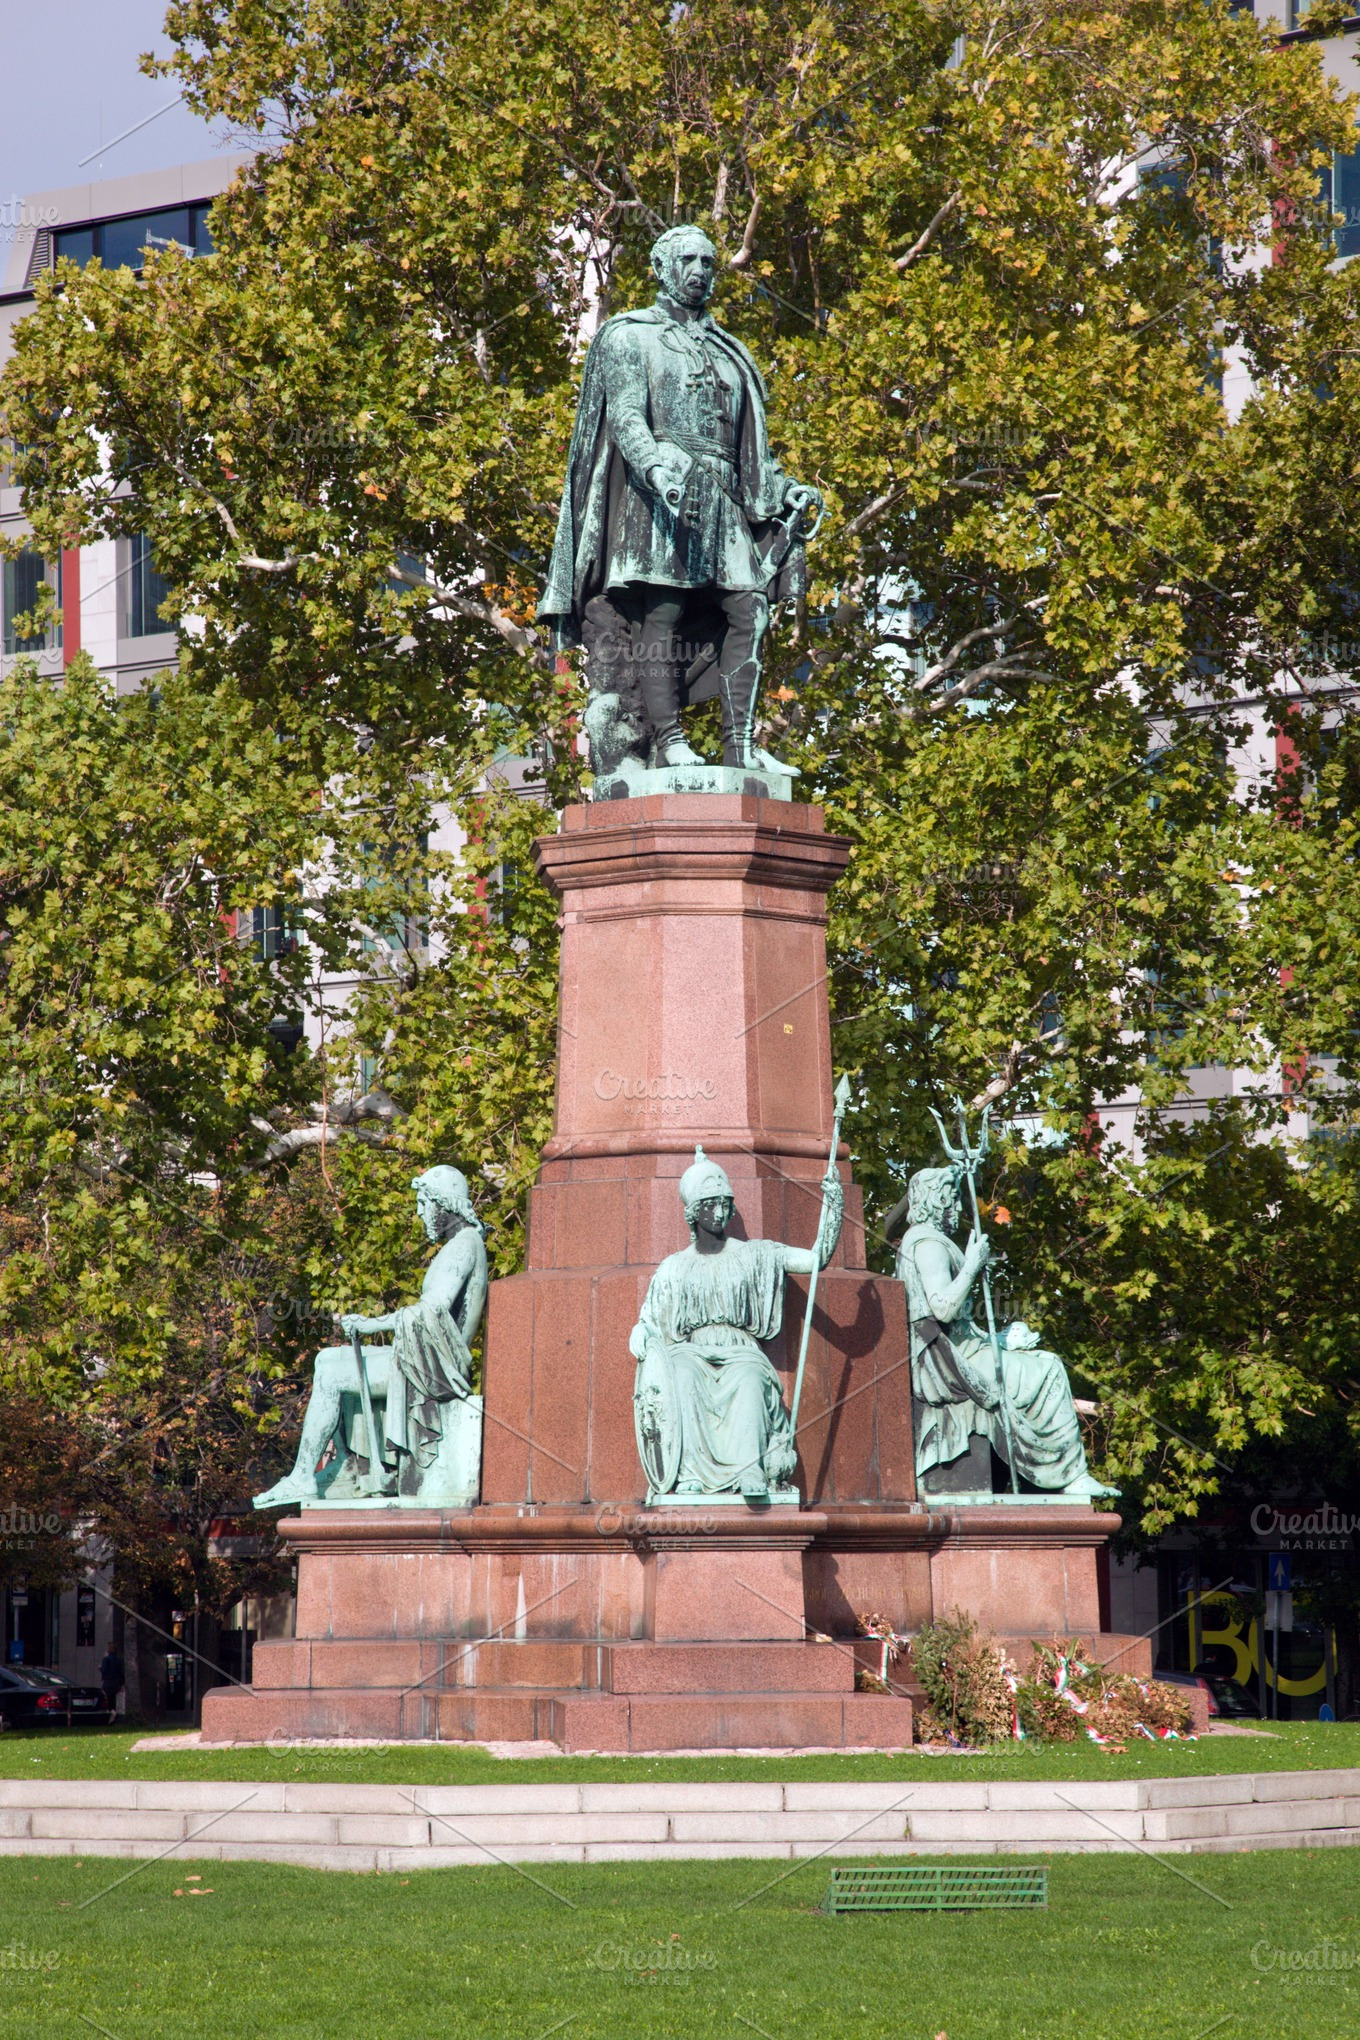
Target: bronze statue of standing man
column 678, row 527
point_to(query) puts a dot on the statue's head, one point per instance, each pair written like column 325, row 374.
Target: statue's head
column 933, row 1198
column 442, row 1196
column 706, row 1195
column 685, row 264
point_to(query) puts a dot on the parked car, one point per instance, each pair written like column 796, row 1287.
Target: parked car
column 30, row 1698
column 1228, row 1699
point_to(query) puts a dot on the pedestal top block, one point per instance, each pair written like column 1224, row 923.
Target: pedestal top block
column 693, row 976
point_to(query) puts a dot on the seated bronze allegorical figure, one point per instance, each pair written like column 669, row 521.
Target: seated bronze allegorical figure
column 708, row 1405
column 957, row 1388
column 425, row 1439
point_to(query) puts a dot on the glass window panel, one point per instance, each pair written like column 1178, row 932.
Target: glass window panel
column 202, row 230
column 23, row 577
column 271, row 933
column 1346, row 201
column 76, row 244
column 123, row 242
column 147, row 589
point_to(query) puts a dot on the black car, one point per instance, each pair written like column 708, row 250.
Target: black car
column 30, row 1698
column 1228, row 1700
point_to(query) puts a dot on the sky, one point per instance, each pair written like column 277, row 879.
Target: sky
column 70, row 86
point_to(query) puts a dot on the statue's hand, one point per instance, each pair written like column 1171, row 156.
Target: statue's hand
column 350, row 1323
column 669, row 475
column 802, row 496
column 978, row 1252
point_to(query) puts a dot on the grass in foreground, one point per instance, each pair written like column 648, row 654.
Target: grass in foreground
column 108, row 1753
column 1128, row 1949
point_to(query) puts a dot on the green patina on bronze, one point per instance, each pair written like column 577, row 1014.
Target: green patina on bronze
column 971, row 1380
column 411, row 1399
column 678, row 529
column 708, row 1405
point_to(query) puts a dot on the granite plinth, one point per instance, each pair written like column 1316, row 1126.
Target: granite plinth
column 484, row 1624
column 693, row 1009
column 693, row 976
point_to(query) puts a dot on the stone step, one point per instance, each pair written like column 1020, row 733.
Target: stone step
column 577, row 1667
column 361, row 1662
column 346, row 1826
column 738, row 1668
column 385, row 1713
column 651, row 1722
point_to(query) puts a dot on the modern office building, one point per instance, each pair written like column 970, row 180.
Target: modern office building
column 109, row 593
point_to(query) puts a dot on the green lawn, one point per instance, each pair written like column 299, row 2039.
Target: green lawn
column 1127, row 1950
column 107, row 1753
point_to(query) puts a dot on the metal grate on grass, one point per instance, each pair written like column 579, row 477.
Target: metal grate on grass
column 935, row 1887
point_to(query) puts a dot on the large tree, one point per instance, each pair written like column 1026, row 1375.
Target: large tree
column 1002, row 262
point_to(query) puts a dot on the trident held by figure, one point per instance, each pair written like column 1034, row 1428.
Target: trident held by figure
column 968, row 1159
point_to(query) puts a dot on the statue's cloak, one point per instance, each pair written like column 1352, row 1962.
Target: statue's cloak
column 596, row 493
column 433, row 1366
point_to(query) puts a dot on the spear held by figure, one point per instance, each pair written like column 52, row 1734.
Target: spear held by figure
column 968, row 1158
column 840, row 1101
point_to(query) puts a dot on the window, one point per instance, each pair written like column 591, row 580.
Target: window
column 121, row 244
column 76, row 244
column 147, row 590
column 271, row 933
column 1346, row 201
column 23, row 577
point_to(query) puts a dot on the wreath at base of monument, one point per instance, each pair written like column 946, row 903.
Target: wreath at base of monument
column 976, row 1693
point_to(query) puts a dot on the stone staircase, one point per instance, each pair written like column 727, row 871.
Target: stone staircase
column 346, row 1826
column 605, row 1696
column 587, row 1695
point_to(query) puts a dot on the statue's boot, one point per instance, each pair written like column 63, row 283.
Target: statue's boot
column 738, row 693
column 659, row 681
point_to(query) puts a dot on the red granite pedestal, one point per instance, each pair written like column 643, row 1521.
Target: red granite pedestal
column 693, row 1009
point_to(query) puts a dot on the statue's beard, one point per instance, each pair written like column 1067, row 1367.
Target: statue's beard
column 693, row 296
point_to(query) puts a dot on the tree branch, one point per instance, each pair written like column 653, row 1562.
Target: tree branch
column 919, row 247
column 959, row 647
column 748, row 240
column 867, row 515
column 1012, row 668
column 1004, row 1080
